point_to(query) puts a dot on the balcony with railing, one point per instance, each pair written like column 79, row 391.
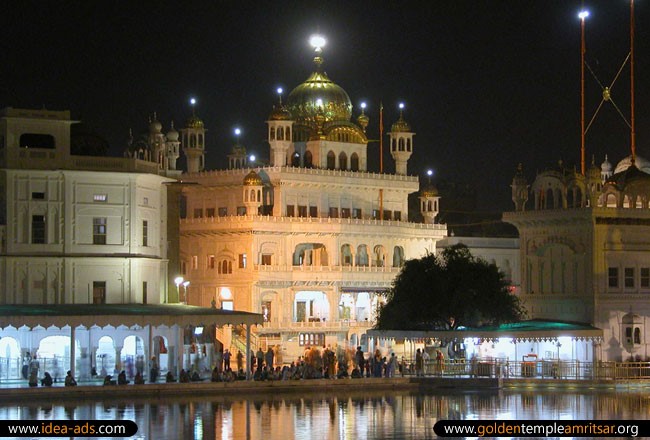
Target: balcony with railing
column 314, row 324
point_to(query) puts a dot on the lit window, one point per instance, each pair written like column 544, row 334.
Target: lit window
column 242, row 261
column 99, row 230
column 645, row 277
column 38, row 229
column 211, row 262
column 145, row 232
column 612, row 276
column 629, row 277
column 100, row 197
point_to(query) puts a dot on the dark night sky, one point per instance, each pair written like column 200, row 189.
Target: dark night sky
column 487, row 84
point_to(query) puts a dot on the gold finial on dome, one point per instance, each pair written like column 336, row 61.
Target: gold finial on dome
column 401, row 125
column 280, row 112
column 194, row 121
column 363, row 120
column 301, row 102
column 252, row 179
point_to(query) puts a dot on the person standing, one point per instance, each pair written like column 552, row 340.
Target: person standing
column 358, row 359
column 425, row 361
column 226, row 360
column 240, row 361
column 260, row 358
column 269, row 358
column 418, row 362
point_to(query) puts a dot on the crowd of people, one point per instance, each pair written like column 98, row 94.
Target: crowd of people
column 315, row 363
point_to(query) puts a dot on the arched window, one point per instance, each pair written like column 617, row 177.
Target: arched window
column 408, row 145
column 362, row 255
column 398, row 256
column 354, row 162
column 295, row 160
column 308, row 159
column 288, row 134
column 343, row 161
column 225, row 267
column 331, row 160
column 401, row 144
column 272, row 134
column 280, row 134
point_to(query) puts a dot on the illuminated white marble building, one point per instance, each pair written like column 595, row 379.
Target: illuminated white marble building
column 312, row 238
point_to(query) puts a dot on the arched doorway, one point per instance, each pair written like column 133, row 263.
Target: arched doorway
column 133, row 356
column 105, row 356
column 54, row 356
column 10, row 359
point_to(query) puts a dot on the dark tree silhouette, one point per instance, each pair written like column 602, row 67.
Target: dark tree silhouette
column 447, row 291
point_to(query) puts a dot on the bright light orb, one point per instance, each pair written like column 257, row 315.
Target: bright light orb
column 280, row 90
column 317, row 41
column 192, row 101
column 252, row 158
column 583, row 14
column 363, row 105
column 429, row 173
column 401, row 106
column 237, row 131
column 319, row 102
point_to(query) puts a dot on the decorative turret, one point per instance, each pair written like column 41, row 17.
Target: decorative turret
column 429, row 203
column 519, row 189
column 605, row 170
column 157, row 142
column 279, row 135
column 173, row 147
column 237, row 157
column 193, row 141
column 401, row 142
column 363, row 120
column 252, row 193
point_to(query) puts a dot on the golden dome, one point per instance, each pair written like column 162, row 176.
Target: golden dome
column 194, row 122
column 429, row 191
column 319, row 91
column 252, row 179
column 400, row 126
column 280, row 113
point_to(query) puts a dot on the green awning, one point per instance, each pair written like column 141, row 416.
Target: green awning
column 88, row 315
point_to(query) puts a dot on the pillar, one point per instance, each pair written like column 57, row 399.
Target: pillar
column 72, row 350
column 248, row 351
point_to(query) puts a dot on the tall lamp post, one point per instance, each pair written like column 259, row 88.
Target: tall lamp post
column 178, row 281
column 185, row 284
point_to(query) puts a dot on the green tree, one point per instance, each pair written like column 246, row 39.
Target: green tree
column 447, row 291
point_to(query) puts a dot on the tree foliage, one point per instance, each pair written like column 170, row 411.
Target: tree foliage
column 447, row 291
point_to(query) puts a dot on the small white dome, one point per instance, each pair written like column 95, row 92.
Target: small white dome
column 606, row 166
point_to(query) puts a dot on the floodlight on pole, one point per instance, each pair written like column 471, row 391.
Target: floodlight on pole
column 185, row 284
column 178, row 281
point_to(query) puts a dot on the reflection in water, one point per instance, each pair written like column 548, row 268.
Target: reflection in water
column 339, row 416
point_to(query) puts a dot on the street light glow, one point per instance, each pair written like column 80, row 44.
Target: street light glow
column 429, row 173
column 252, row 158
column 583, row 14
column 363, row 105
column 192, row 101
column 280, row 90
column 401, row 106
column 237, row 131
